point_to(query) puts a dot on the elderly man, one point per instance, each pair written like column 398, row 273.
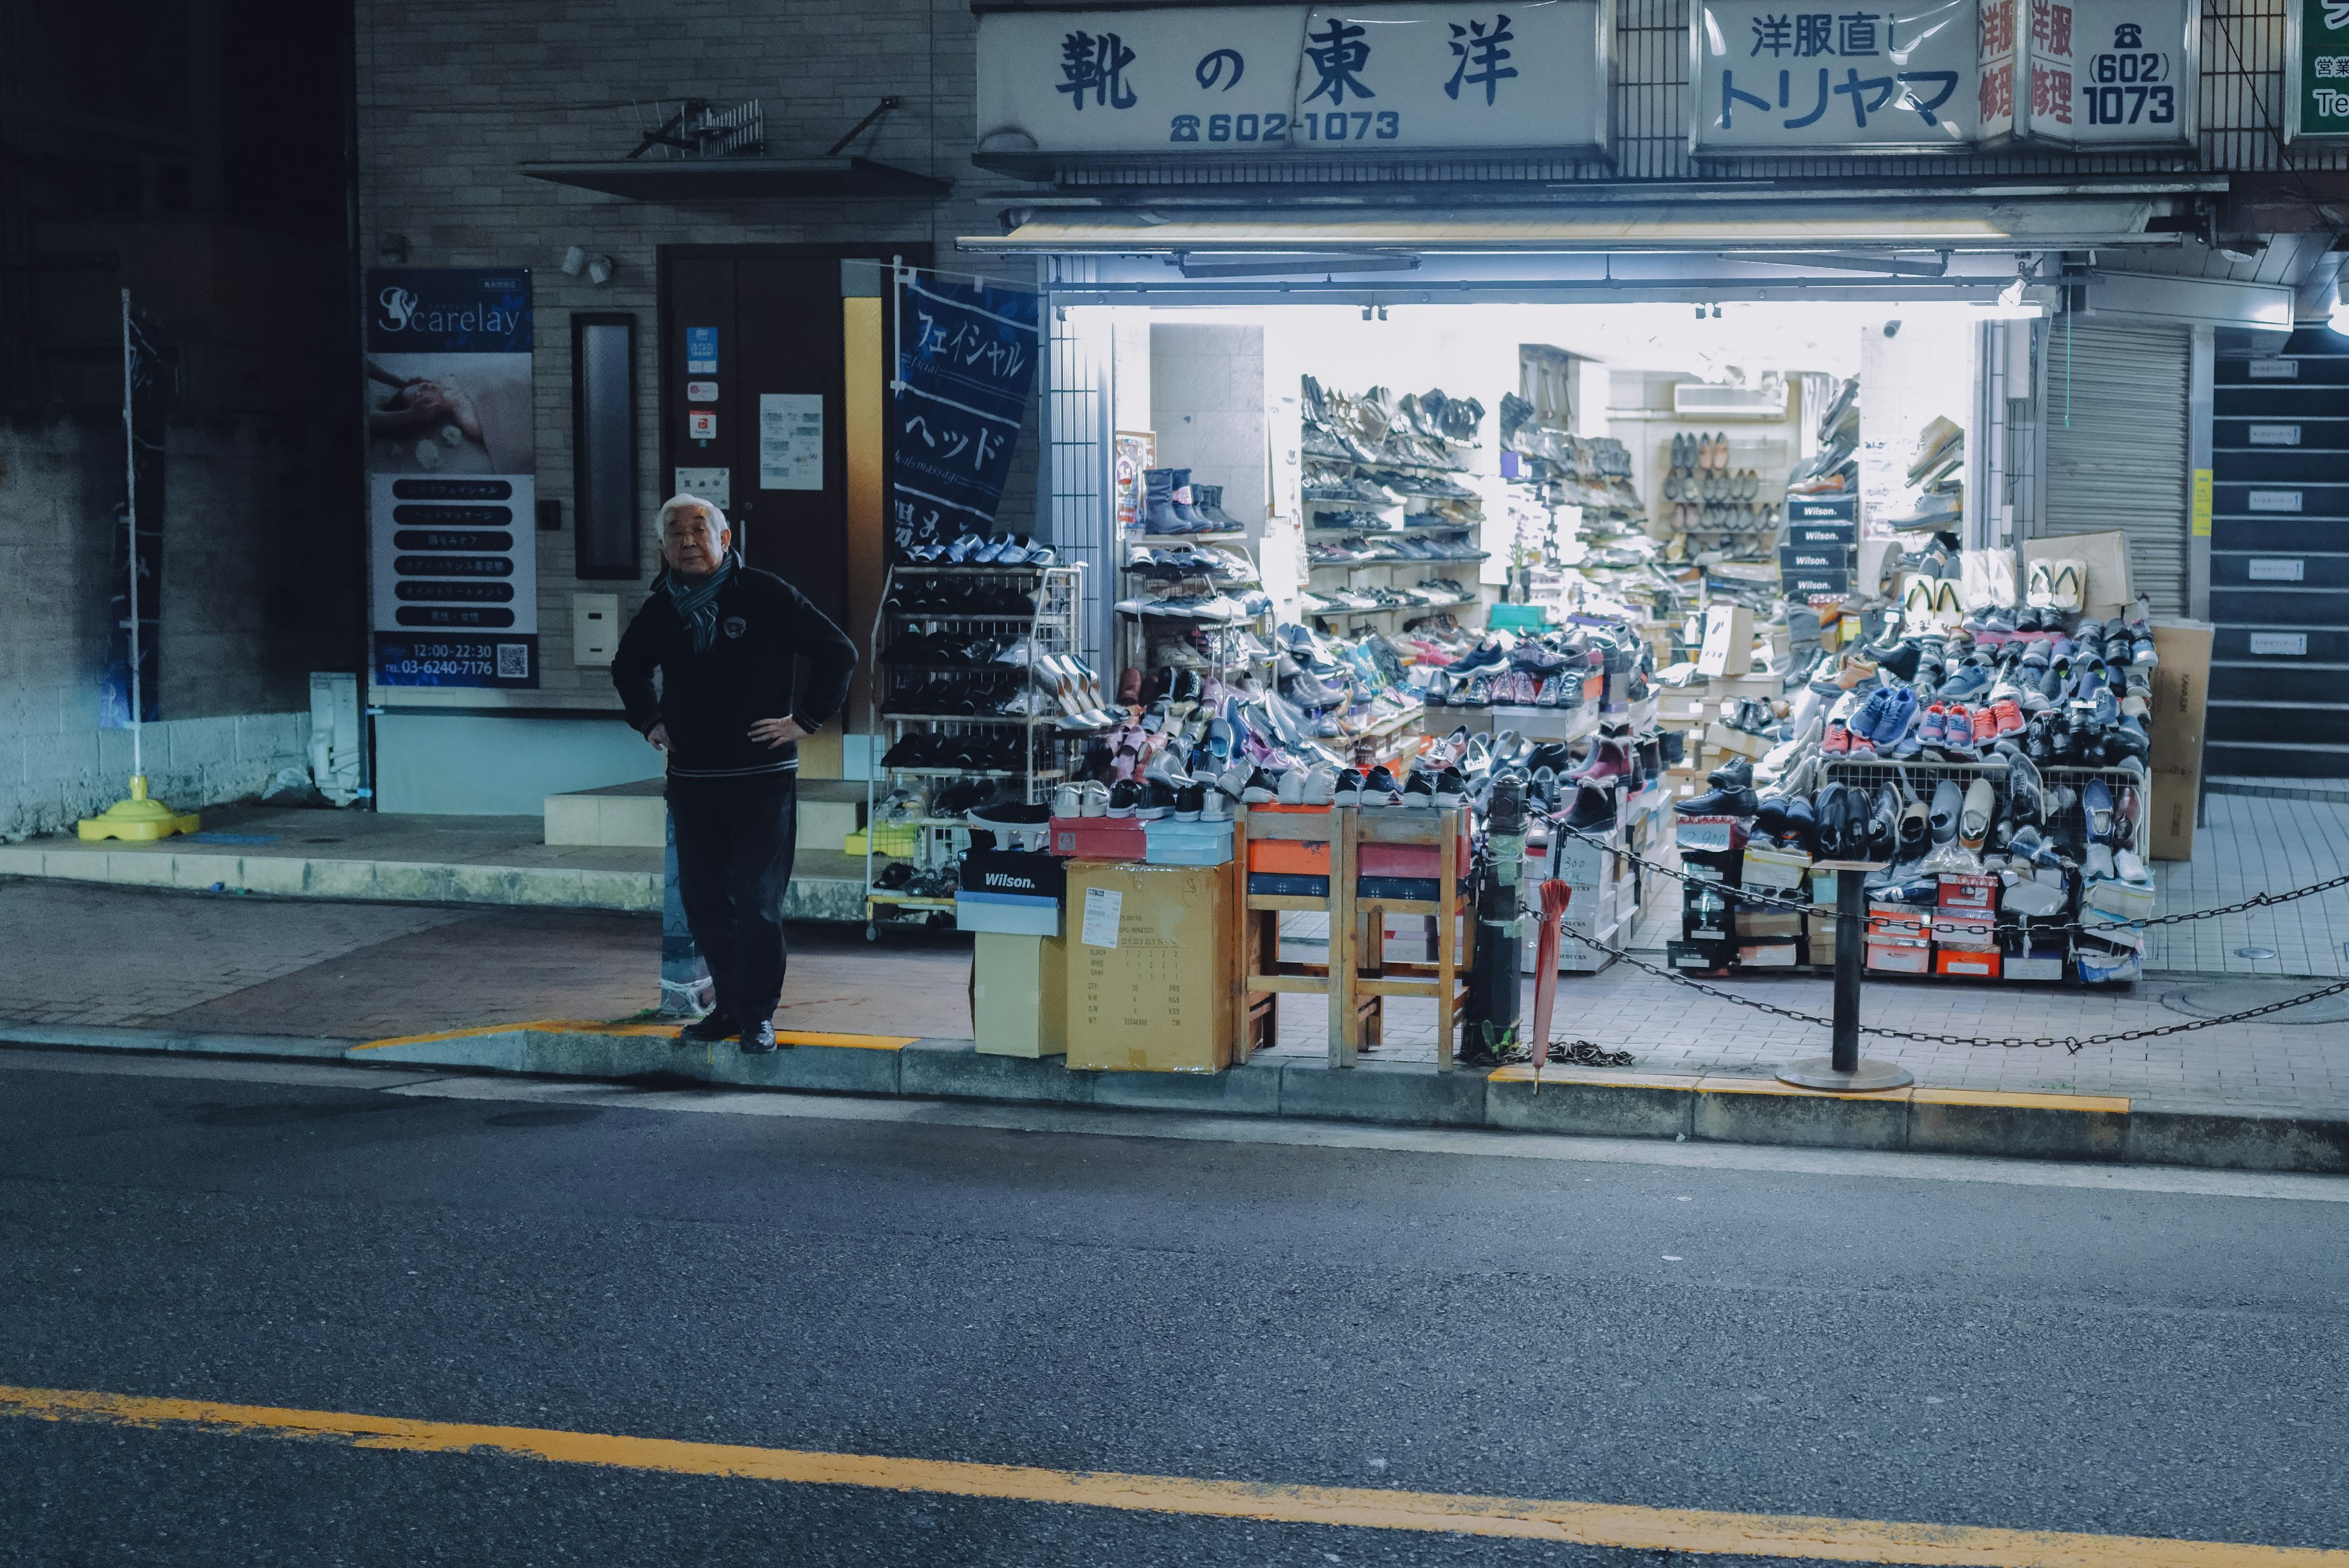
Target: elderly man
column 730, row 712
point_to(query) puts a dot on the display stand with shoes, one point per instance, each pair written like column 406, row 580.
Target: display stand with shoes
column 981, row 702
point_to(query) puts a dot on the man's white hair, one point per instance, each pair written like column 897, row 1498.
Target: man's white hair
column 676, row 504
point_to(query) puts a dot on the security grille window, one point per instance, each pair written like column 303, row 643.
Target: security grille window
column 604, row 444
column 2116, row 446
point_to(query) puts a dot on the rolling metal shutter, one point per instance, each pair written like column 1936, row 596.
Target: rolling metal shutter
column 2279, row 563
column 2116, row 449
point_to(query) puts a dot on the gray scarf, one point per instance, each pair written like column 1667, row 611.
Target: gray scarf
column 698, row 602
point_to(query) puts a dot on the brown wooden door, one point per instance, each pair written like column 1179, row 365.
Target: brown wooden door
column 773, row 316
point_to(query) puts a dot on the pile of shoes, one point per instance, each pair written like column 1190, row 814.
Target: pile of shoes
column 942, row 676
column 1546, row 669
column 982, row 550
column 1834, row 469
column 1936, row 477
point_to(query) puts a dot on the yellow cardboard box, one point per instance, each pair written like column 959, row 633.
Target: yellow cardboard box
column 1019, row 994
column 1151, row 981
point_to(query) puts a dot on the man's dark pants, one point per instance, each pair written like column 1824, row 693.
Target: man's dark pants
column 735, row 840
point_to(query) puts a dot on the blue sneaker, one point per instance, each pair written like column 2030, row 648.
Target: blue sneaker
column 1899, row 713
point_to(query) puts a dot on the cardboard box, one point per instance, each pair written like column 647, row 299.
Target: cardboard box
column 1020, row 995
column 1900, row 957
column 2038, row 966
column 1100, row 837
column 1728, row 640
column 1006, row 914
column 1822, row 508
column 1801, row 560
column 1738, row 741
column 1963, row 964
column 1812, row 535
column 1289, row 856
column 1151, row 981
column 1018, row 873
column 2106, row 593
column 1972, row 929
column 2181, row 686
column 1821, row 943
column 1174, row 843
column 1816, row 587
column 1775, row 952
column 1400, row 890
column 1754, row 924
column 1775, row 869
column 1963, row 890
column 1287, row 884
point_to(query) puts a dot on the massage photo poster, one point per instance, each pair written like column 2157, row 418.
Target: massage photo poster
column 451, row 456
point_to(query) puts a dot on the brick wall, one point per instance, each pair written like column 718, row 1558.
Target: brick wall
column 243, row 614
column 454, row 96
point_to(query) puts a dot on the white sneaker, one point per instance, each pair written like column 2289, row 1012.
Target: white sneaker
column 1093, row 798
column 1321, row 786
column 1068, row 801
column 2131, row 869
column 1292, row 787
column 2099, row 867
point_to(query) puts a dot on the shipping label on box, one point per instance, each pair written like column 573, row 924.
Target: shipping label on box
column 1966, row 965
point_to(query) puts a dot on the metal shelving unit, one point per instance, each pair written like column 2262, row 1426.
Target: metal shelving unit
column 1054, row 594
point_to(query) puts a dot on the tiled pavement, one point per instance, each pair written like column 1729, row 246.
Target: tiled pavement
column 107, row 955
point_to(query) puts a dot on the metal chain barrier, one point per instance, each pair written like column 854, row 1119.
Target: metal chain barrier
column 2072, row 1044
column 2256, row 900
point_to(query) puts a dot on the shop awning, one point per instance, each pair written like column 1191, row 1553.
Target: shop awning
column 2008, row 226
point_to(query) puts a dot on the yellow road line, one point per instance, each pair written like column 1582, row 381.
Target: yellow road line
column 1617, row 1525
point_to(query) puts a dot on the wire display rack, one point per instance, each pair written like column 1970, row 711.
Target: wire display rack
column 959, row 702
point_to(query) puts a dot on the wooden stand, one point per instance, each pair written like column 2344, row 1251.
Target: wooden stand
column 1357, row 977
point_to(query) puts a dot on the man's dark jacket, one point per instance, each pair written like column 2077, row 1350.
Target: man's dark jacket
column 710, row 700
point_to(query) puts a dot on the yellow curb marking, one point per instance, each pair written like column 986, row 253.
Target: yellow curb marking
column 1523, row 1072
column 637, row 1031
column 1623, row 1526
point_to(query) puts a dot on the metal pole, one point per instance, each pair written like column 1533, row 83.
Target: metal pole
column 131, row 511
column 1850, row 911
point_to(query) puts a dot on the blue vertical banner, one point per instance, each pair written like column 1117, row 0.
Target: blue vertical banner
column 451, row 477
column 966, row 359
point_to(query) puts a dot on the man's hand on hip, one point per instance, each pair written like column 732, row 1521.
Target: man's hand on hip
column 775, row 732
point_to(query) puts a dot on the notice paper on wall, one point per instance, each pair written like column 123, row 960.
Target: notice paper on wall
column 791, row 440
column 1104, row 906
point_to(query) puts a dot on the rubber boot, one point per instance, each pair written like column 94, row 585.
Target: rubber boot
column 1158, row 513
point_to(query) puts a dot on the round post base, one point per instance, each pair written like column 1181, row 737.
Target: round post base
column 1819, row 1073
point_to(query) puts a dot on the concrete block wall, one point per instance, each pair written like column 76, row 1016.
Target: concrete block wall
column 242, row 615
column 1207, row 410
column 454, row 97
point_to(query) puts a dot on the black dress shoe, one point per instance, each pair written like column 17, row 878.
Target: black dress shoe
column 1734, row 774
column 1720, row 801
column 1594, row 809
column 707, row 1030
column 759, row 1038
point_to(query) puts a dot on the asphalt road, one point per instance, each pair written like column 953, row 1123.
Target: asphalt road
column 1847, row 1341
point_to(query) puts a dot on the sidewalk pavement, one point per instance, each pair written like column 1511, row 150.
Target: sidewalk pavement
column 2251, row 844
column 213, row 964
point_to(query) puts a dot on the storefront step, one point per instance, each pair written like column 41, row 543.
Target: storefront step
column 495, row 861
column 1715, row 1108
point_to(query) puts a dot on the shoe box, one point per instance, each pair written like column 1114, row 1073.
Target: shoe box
column 1171, row 843
column 1287, row 884
column 1967, row 963
column 1808, row 560
column 2100, row 965
column 1899, row 955
column 1814, row 586
column 1891, row 922
column 1150, row 968
column 2180, row 693
column 1742, row 743
column 1019, row 994
column 1843, row 509
column 1768, row 952
column 1100, row 837
column 1775, row 870
column 1966, row 915
column 1011, row 893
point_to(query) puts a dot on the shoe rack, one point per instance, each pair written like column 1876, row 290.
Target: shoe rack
column 1357, row 506
column 947, row 699
column 1144, row 636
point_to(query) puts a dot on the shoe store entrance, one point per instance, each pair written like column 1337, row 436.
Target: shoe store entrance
column 1730, row 562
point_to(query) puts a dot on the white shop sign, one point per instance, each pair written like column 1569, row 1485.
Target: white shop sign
column 1917, row 74
column 2274, row 500
column 2278, row 571
column 2275, row 435
column 1247, row 78
column 2289, row 644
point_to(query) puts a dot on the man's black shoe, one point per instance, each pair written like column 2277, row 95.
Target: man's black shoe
column 1721, row 801
column 1734, row 774
column 758, row 1039
column 707, row 1030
